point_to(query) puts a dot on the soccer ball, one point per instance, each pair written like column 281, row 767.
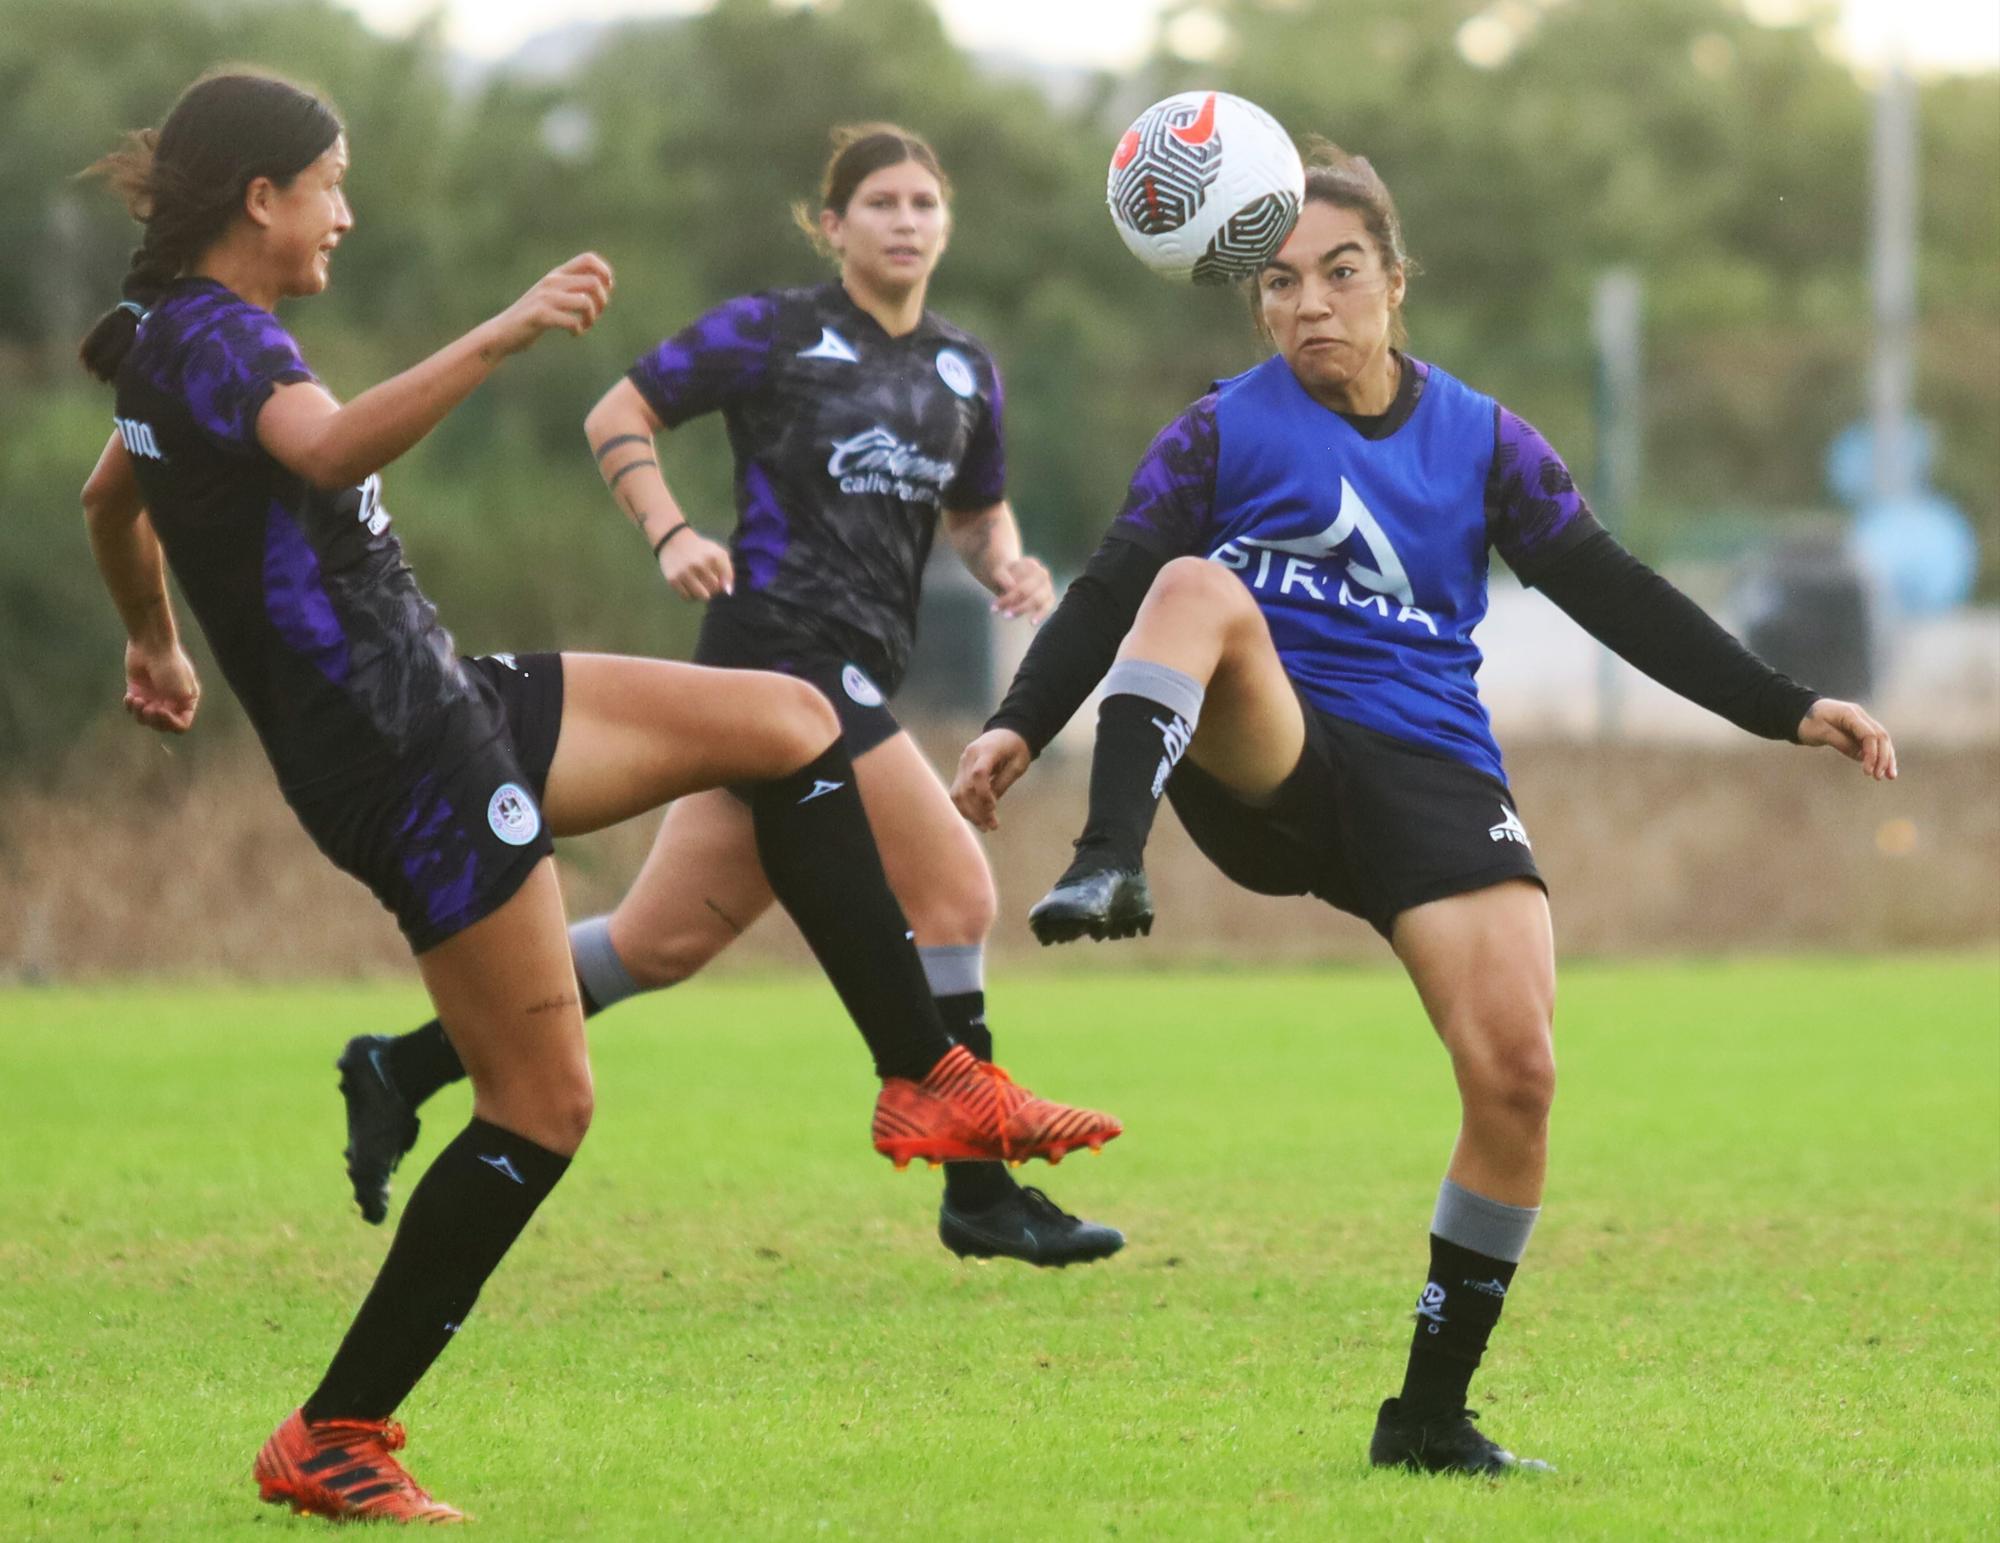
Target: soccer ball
column 1205, row 186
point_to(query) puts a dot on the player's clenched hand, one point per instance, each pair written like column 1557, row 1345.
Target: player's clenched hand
column 1851, row 731
column 567, row 299
column 698, row 569
column 991, row 765
column 161, row 691
column 1025, row 589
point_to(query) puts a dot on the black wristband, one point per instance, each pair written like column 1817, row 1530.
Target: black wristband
column 657, row 545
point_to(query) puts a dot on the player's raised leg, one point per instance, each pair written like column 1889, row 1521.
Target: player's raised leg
column 1484, row 964
column 1196, row 676
column 638, row 732
column 939, row 873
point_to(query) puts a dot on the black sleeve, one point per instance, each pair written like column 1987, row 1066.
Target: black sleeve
column 1652, row 626
column 1076, row 645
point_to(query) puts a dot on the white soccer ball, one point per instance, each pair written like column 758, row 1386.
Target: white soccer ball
column 1205, row 186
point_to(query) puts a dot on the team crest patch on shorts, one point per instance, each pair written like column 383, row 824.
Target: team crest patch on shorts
column 858, row 686
column 955, row 372
column 513, row 815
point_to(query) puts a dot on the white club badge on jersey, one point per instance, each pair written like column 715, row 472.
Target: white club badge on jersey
column 955, row 372
column 855, row 682
column 513, row 815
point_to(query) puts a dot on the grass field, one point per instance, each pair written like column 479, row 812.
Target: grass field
column 1764, row 1300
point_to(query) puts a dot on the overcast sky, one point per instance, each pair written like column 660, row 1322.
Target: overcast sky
column 1947, row 34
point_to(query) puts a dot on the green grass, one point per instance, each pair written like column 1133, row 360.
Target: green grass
column 1764, row 1302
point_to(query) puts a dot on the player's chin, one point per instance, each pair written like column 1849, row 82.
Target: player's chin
column 313, row 277
column 1321, row 364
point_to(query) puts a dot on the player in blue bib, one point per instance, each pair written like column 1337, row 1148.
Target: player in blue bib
column 1290, row 593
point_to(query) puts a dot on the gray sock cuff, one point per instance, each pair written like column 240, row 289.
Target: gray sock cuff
column 598, row 967
column 1156, row 683
column 1490, row 1227
column 953, row 969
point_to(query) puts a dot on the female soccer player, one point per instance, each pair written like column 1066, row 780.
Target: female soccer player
column 435, row 781
column 1295, row 576
column 856, row 415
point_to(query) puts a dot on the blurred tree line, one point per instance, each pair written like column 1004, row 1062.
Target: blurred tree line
column 1725, row 161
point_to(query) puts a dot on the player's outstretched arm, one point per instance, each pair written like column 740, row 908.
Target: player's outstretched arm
column 1650, row 624
column 161, row 690
column 621, row 429
column 335, row 446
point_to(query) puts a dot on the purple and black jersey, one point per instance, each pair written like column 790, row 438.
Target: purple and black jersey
column 315, row 619
column 1364, row 542
column 848, row 442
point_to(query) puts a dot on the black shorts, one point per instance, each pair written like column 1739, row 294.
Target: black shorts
column 740, row 638
column 1370, row 824
column 445, row 844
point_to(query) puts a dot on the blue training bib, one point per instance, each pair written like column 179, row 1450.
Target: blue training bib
column 1367, row 557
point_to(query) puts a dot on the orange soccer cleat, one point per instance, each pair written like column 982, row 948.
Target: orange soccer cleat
column 343, row 1469
column 1034, row 1127
column 967, row 1110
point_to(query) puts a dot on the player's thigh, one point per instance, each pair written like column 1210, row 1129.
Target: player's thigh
column 934, row 863
column 507, row 991
column 1484, row 965
column 1252, row 728
column 699, row 890
column 637, row 732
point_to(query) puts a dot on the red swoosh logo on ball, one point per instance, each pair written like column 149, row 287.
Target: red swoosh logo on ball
column 1127, row 148
column 1202, row 129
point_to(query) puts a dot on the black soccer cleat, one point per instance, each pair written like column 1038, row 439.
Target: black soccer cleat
column 381, row 1126
column 1097, row 903
column 1445, row 1443
column 1028, row 1226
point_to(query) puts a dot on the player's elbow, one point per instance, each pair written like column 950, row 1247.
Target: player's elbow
column 330, row 467
column 621, row 410
column 106, row 506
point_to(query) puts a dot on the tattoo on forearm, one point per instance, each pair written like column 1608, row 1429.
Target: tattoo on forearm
column 630, row 466
column 615, row 441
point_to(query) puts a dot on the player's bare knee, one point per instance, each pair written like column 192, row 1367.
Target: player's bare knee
column 574, row 1109
column 957, row 917
column 806, row 721
column 1513, row 1082
column 667, row 959
column 550, row 1106
column 1198, row 589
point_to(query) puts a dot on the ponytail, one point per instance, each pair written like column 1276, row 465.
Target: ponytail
column 184, row 182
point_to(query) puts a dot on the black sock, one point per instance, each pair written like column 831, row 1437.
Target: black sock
column 462, row 1218
column 422, row 1061
column 1461, row 1303
column 820, row 856
column 972, row 1186
column 1138, row 743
